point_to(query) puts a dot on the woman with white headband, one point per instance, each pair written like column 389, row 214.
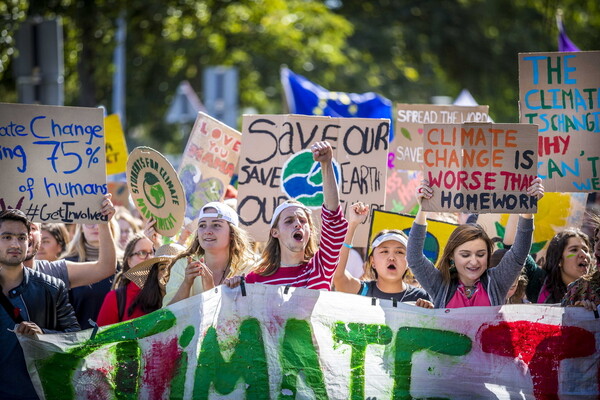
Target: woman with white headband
column 291, row 256
column 385, row 266
column 220, row 249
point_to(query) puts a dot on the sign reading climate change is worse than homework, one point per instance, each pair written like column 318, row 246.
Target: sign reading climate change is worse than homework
column 276, row 164
column 560, row 92
column 52, row 162
column 480, row 168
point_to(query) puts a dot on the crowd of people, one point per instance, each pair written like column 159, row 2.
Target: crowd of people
column 59, row 278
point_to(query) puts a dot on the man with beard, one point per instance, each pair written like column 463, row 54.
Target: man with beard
column 75, row 274
column 32, row 303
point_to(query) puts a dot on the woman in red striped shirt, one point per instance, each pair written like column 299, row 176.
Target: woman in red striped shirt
column 291, row 256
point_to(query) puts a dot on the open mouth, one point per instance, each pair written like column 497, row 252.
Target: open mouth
column 297, row 235
column 391, row 267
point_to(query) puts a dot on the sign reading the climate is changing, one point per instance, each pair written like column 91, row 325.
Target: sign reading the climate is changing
column 276, row 342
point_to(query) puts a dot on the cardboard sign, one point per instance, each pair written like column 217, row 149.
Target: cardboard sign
column 559, row 93
column 208, row 163
column 438, row 232
column 156, row 190
column 310, row 344
column 276, row 164
column 480, row 168
column 116, row 147
column 406, row 149
column 52, row 162
column 120, row 193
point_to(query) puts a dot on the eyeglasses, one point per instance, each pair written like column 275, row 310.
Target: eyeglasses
column 143, row 254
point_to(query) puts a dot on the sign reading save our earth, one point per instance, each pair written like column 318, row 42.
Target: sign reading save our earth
column 273, row 342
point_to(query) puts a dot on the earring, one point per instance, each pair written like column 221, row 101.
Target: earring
column 452, row 266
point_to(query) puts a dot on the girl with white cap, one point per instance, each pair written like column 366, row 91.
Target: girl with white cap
column 219, row 249
column 385, row 266
column 291, row 255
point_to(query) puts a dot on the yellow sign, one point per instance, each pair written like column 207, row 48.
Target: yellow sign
column 438, row 232
column 116, row 147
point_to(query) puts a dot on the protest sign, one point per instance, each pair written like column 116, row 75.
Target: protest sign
column 559, row 93
column 208, row 163
column 438, row 232
column 120, row 193
column 406, row 150
column 482, row 168
column 52, row 162
column 156, row 190
column 116, row 146
column 276, row 164
column 277, row 342
column 406, row 147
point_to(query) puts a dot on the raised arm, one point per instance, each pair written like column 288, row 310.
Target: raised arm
column 323, row 153
column 535, row 189
column 424, row 191
column 86, row 273
column 342, row 280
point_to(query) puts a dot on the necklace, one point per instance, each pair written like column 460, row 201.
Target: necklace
column 289, row 265
column 403, row 291
column 224, row 274
column 470, row 291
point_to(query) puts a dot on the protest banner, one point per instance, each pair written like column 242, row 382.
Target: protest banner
column 52, row 162
column 559, row 92
column 438, row 232
column 273, row 342
column 406, row 147
column 116, row 146
column 156, row 190
column 482, row 168
column 276, row 164
column 208, row 164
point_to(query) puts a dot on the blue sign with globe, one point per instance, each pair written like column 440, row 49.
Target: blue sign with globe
column 301, row 178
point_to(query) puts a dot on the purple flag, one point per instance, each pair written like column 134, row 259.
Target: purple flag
column 564, row 43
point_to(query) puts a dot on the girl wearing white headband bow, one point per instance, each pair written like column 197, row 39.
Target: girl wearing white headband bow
column 385, row 267
column 291, row 256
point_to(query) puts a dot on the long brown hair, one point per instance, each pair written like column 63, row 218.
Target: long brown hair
column 553, row 262
column 271, row 254
column 462, row 234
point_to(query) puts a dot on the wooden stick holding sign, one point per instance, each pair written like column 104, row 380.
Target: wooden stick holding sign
column 52, row 162
column 480, row 168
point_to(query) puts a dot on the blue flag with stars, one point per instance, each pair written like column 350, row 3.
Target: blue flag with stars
column 307, row 98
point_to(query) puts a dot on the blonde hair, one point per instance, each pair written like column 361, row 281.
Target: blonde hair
column 77, row 244
column 240, row 251
column 271, row 255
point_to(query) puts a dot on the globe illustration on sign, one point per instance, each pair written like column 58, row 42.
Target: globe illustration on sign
column 153, row 190
column 431, row 248
column 301, row 178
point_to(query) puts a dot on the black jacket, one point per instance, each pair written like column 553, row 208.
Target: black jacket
column 47, row 303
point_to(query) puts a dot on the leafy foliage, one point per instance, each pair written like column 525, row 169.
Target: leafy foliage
column 407, row 51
